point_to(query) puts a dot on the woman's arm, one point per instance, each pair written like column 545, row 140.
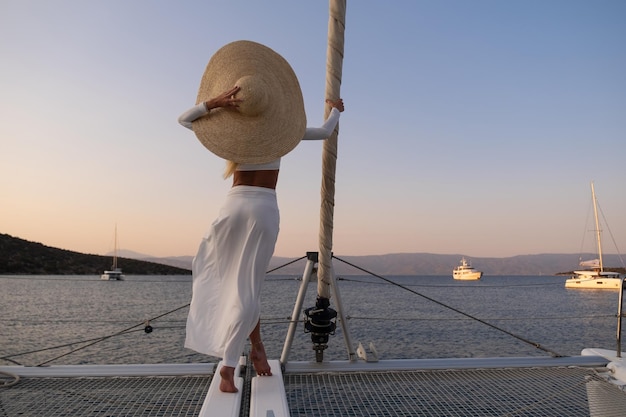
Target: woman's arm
column 324, row 131
column 226, row 99
column 186, row 119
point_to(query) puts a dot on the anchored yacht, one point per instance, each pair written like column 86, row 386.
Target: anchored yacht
column 464, row 271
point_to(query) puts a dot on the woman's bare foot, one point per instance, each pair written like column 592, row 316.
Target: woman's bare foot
column 227, row 384
column 259, row 360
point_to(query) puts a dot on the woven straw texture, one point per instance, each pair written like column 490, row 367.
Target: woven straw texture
column 269, row 122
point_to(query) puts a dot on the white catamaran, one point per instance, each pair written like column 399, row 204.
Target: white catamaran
column 595, row 277
column 115, row 273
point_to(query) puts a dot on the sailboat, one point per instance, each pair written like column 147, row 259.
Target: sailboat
column 595, row 277
column 115, row 273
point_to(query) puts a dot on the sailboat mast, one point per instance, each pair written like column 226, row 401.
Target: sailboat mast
column 595, row 213
column 115, row 250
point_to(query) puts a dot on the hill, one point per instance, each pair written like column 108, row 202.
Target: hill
column 436, row 264
column 431, row 264
column 18, row 256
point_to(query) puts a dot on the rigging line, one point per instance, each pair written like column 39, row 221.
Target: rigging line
column 560, row 283
column 619, row 255
column 184, row 280
column 111, row 335
column 100, row 339
column 7, row 357
column 298, row 278
column 31, row 278
column 585, row 230
column 287, row 264
column 606, row 316
column 35, row 322
column 12, row 361
column 280, row 320
column 535, row 344
column 279, row 323
column 94, row 279
column 453, row 285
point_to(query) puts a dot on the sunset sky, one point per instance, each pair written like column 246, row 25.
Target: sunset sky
column 471, row 127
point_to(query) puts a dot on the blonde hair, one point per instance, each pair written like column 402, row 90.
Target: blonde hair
column 230, row 169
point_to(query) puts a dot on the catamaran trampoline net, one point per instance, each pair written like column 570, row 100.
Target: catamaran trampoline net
column 110, row 397
column 480, row 392
column 566, row 391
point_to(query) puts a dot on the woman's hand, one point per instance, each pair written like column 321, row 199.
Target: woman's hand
column 337, row 104
column 226, row 99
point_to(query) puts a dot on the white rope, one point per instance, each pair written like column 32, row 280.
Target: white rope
column 334, row 64
column 6, row 384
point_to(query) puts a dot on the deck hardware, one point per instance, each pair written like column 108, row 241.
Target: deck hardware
column 320, row 321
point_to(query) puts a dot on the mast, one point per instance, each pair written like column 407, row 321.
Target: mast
column 595, row 213
column 115, row 250
column 320, row 319
column 334, row 66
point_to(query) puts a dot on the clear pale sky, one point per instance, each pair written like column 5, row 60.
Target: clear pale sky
column 471, row 127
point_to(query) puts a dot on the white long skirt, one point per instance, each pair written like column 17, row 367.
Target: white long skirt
column 229, row 271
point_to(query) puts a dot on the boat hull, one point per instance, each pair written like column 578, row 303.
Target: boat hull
column 599, row 283
column 472, row 276
column 112, row 276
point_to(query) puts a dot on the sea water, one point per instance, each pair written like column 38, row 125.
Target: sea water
column 104, row 322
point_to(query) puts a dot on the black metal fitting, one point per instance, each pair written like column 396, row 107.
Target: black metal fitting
column 320, row 322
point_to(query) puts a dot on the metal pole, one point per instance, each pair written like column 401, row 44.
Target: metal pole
column 620, row 314
column 342, row 318
column 306, row 278
column 598, row 230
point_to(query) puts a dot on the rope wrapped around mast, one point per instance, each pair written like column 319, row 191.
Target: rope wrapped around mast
column 334, row 65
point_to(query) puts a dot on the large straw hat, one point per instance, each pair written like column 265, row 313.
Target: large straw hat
column 269, row 122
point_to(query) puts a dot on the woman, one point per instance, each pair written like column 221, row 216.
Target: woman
column 229, row 268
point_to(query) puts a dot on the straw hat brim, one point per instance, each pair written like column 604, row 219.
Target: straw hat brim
column 269, row 122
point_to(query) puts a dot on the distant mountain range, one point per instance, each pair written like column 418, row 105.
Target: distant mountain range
column 424, row 264
column 18, row 256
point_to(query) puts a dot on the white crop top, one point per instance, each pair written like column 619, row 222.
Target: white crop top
column 311, row 133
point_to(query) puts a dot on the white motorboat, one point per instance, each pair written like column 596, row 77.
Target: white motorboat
column 595, row 277
column 464, row 271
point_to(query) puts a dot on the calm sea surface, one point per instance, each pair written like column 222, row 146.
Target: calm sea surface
column 41, row 313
